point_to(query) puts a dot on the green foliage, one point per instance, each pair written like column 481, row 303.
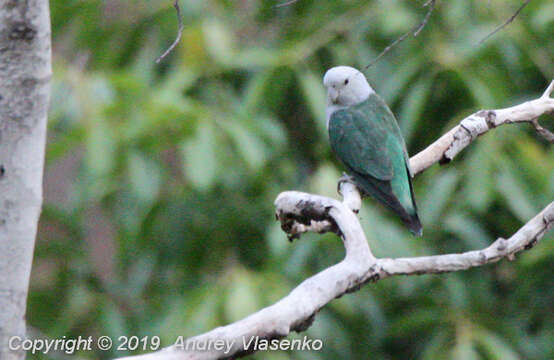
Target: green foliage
column 160, row 179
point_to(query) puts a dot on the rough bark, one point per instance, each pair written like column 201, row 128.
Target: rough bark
column 25, row 71
column 458, row 138
column 301, row 212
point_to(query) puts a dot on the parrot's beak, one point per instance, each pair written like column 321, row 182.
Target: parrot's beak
column 333, row 95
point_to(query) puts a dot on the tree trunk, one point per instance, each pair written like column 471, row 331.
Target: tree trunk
column 25, row 71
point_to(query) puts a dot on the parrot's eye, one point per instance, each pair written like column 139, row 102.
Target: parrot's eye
column 346, row 82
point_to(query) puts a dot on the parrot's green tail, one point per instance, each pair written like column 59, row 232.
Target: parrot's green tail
column 414, row 225
column 382, row 191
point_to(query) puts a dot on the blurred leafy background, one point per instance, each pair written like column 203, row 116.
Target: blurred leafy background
column 160, row 179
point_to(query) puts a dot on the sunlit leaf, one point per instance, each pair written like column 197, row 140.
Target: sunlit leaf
column 515, row 196
column 387, row 239
column 200, row 157
column 248, row 145
column 145, row 177
column 479, row 184
column 543, row 17
column 467, row 229
column 432, row 206
column 494, row 346
column 412, row 107
column 114, row 320
column 393, row 88
column 242, row 298
column 464, row 351
column 277, row 240
column 255, row 93
column 324, row 181
column 314, row 92
column 187, row 316
column 101, row 146
column 436, row 348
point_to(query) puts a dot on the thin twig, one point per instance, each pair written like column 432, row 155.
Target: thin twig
column 415, row 30
column 548, row 90
column 431, row 4
column 506, row 23
column 290, row 2
column 179, row 33
column 545, row 133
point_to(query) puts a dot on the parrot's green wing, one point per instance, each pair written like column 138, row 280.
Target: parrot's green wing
column 366, row 138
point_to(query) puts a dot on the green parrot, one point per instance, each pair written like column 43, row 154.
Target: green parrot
column 365, row 136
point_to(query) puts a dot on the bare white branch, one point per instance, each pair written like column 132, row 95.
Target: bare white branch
column 301, row 212
column 458, row 138
column 525, row 238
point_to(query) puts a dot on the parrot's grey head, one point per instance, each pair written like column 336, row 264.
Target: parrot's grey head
column 346, row 86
